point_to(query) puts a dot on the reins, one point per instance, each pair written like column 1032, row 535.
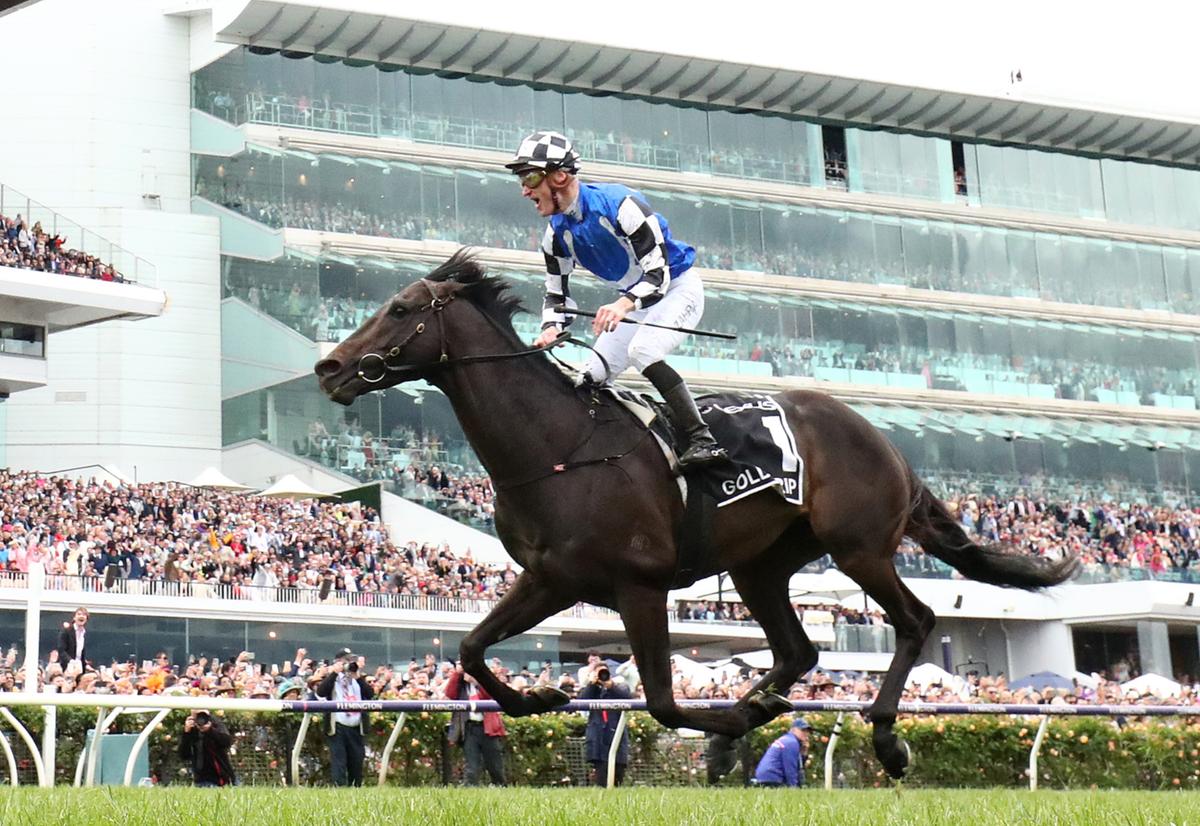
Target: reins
column 435, row 306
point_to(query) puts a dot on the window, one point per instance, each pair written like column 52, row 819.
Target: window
column 19, row 339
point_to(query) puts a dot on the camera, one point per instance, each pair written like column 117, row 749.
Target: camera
column 603, row 675
column 352, row 667
column 203, row 718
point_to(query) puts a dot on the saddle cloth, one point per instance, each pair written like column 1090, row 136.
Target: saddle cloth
column 754, row 429
column 751, row 426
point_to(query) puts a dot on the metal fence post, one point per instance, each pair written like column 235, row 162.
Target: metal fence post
column 1033, row 753
column 387, row 750
column 833, row 738
column 614, row 749
column 296, row 749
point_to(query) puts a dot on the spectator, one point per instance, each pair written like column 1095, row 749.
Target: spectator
column 629, row 674
column 602, row 727
column 783, row 762
column 34, row 249
column 346, row 730
column 72, row 641
column 480, row 733
column 587, row 673
column 205, row 745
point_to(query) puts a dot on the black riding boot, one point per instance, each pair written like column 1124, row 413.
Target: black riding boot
column 701, row 449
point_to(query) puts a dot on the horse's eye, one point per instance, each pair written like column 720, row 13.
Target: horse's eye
column 397, row 310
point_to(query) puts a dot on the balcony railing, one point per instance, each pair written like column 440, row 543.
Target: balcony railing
column 285, row 595
column 128, row 267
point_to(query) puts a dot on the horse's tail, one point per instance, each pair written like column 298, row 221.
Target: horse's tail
column 939, row 534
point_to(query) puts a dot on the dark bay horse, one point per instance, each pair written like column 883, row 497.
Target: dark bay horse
column 603, row 530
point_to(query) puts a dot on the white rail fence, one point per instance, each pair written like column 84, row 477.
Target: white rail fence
column 110, row 707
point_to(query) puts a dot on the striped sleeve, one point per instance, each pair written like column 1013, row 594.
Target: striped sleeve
column 559, row 265
column 641, row 226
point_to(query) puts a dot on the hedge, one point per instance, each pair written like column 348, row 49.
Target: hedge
column 974, row 751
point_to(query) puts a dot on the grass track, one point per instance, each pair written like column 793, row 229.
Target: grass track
column 570, row 807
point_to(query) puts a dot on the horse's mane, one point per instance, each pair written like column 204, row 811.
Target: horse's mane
column 493, row 296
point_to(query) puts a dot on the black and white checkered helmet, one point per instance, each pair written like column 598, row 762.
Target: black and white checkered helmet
column 545, row 150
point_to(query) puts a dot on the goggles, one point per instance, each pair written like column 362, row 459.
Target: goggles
column 532, row 180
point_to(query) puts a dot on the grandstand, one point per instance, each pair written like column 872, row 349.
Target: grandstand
column 1010, row 291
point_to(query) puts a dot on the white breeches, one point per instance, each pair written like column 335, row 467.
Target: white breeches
column 632, row 344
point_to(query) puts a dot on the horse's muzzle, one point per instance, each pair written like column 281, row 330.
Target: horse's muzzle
column 327, row 371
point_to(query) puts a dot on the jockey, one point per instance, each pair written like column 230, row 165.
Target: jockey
column 611, row 230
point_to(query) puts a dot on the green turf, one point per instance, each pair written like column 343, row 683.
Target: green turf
column 622, row 807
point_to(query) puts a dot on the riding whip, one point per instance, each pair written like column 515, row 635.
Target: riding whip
column 688, row 330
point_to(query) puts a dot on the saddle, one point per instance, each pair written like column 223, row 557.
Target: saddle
column 763, row 452
column 697, row 557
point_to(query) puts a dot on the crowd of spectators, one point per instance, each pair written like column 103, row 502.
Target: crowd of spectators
column 179, row 534
column 427, row 679
column 1113, row 540
column 32, row 248
column 722, row 611
column 414, row 464
column 235, row 545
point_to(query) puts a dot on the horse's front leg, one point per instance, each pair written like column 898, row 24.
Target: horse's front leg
column 644, row 614
column 526, row 604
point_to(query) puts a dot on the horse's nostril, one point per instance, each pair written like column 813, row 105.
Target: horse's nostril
column 327, row 367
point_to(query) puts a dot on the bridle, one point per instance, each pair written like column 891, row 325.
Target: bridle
column 435, row 306
column 367, row 366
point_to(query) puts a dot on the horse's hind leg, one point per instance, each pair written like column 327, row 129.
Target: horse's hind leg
column 526, row 604
column 913, row 620
column 763, row 586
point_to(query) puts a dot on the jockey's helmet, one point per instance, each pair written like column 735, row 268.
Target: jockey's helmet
column 547, row 151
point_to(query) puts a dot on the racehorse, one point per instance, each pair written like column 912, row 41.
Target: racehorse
column 591, row 510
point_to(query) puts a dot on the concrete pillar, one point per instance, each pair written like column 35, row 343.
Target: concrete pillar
column 1154, row 649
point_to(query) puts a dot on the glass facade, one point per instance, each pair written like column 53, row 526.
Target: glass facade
column 394, row 101
column 791, row 335
column 431, row 202
column 885, row 343
column 1121, row 191
column 893, row 164
column 401, row 103
column 951, row 449
column 378, row 436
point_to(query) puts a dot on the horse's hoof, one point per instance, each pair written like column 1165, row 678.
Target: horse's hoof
column 547, row 697
column 898, row 760
column 769, row 705
column 720, row 757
